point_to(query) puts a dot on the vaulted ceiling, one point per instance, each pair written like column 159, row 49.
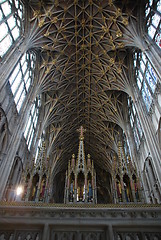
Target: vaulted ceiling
column 83, row 47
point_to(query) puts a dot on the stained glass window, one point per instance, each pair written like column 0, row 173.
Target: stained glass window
column 146, row 78
column 11, row 19
column 135, row 123
column 153, row 20
column 21, row 78
column 32, row 122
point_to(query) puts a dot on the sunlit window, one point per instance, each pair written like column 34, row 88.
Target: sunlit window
column 135, row 123
column 146, row 78
column 21, row 78
column 11, row 17
column 32, row 122
column 153, row 20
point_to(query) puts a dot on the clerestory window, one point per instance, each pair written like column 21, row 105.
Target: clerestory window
column 32, row 122
column 11, row 23
column 146, row 78
column 135, row 123
column 153, row 20
column 22, row 77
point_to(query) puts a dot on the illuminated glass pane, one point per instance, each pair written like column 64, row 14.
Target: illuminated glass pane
column 140, row 77
column 27, row 127
column 23, row 59
column 16, row 83
column 150, row 2
column 27, row 84
column 139, row 83
column 14, row 74
column 29, row 135
column 159, row 6
column 142, row 65
column 5, row 45
column 152, row 73
column 6, row 8
column 29, row 146
column 0, row 15
column 158, row 39
column 4, row 31
column 24, row 67
column 151, row 31
column 19, row 92
column 16, row 3
column 26, row 77
column 150, row 81
column 155, row 20
column 139, row 128
column 15, row 33
column 11, row 22
column 20, row 13
column 33, row 110
column 21, row 101
column 136, row 139
column 146, row 96
column 144, row 58
column 147, row 11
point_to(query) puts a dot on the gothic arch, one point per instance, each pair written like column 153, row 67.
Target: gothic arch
column 14, row 179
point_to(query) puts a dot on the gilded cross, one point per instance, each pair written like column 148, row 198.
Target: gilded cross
column 81, row 131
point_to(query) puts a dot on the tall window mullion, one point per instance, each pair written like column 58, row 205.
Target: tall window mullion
column 32, row 123
column 135, row 124
column 153, row 20
column 21, row 78
column 11, row 18
column 145, row 77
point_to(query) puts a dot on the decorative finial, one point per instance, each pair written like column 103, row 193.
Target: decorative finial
column 81, row 131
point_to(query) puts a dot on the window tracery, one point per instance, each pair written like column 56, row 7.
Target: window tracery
column 32, row 122
column 135, row 123
column 146, row 78
column 11, row 19
column 153, row 20
column 22, row 77
column 3, row 134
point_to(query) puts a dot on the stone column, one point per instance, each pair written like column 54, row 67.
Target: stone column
column 38, row 189
column 109, row 233
column 15, row 140
column 75, row 189
column 46, row 230
column 86, row 197
column 150, row 137
column 11, row 61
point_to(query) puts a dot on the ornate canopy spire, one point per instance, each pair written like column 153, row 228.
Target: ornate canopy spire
column 81, row 130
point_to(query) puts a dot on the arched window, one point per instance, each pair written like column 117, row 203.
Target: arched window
column 135, row 123
column 38, row 149
column 153, row 20
column 4, row 133
column 11, row 17
column 146, row 78
column 32, row 122
column 21, row 78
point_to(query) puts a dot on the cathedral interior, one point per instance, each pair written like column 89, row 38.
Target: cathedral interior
column 80, row 120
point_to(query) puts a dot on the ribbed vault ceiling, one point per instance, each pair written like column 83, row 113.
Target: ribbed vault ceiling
column 83, row 73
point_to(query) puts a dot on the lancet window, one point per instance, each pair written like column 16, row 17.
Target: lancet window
column 38, row 149
column 32, row 122
column 146, row 78
column 135, row 123
column 153, row 20
column 11, row 19
column 22, row 77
